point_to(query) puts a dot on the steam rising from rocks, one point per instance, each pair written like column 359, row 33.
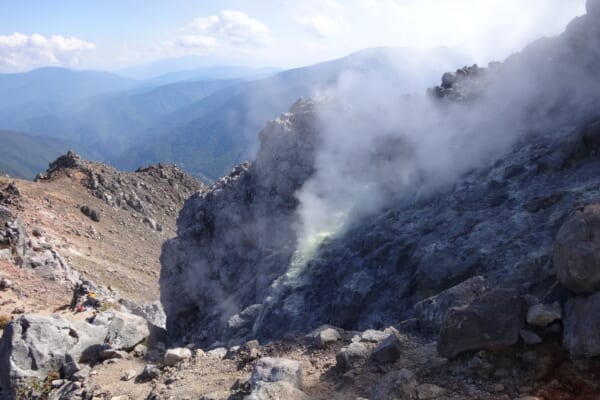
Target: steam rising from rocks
column 378, row 145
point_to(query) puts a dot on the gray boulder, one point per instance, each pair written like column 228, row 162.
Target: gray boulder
column 494, row 319
column 174, row 356
column 577, row 251
column 376, row 336
column 351, row 357
column 91, row 213
column 125, row 331
column 268, row 370
column 153, row 313
column 432, row 311
column 31, row 347
column 324, row 337
column 543, row 315
column 34, row 345
column 581, row 336
column 150, row 372
column 90, row 341
column 387, row 351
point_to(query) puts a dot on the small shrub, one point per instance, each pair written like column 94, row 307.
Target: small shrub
column 4, row 320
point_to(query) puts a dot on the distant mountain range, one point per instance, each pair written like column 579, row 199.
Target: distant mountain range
column 205, row 119
column 200, row 67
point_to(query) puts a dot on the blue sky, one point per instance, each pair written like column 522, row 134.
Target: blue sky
column 113, row 34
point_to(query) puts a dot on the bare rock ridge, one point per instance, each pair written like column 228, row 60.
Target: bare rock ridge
column 149, row 190
column 226, row 276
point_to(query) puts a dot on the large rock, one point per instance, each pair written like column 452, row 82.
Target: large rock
column 581, row 335
column 351, row 356
column 268, row 370
column 235, row 239
column 126, row 330
column 34, row 345
column 543, row 315
column 495, row 319
column 387, row 351
column 577, row 251
column 174, row 356
column 153, row 313
column 432, row 311
column 326, row 336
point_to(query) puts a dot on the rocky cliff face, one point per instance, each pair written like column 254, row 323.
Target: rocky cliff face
column 235, row 269
column 237, row 237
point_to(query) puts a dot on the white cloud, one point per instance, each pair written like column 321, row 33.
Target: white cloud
column 20, row 52
column 320, row 25
column 323, row 19
column 227, row 29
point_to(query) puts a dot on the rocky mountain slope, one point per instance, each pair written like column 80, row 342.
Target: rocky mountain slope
column 498, row 217
column 445, row 247
column 82, row 239
column 521, row 159
column 106, row 224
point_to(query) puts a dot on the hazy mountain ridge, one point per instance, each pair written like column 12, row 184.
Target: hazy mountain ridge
column 24, row 156
column 205, row 126
column 209, row 137
column 59, row 85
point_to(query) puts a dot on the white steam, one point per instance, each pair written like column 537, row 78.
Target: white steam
column 379, row 145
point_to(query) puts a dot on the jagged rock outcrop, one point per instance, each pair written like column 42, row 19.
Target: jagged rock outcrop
column 156, row 189
column 237, row 237
column 497, row 218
